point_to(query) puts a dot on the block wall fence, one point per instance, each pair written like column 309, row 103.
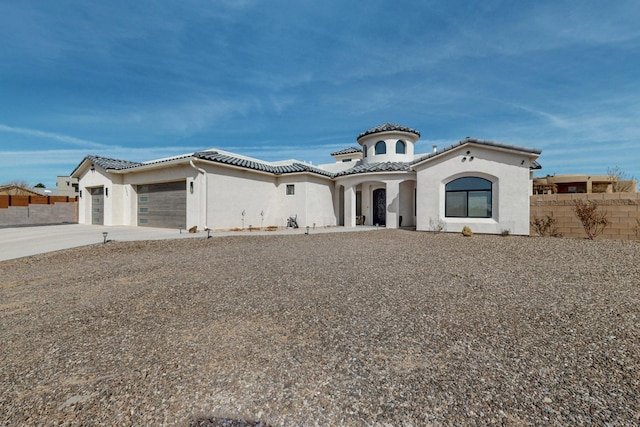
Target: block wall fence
column 623, row 212
column 37, row 210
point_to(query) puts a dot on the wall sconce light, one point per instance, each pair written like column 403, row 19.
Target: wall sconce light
column 522, row 163
column 106, row 192
column 191, row 187
column 464, row 159
column 93, row 167
column 468, row 152
column 80, row 193
column 471, row 158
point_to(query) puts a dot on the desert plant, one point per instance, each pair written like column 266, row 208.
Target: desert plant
column 593, row 221
column 436, row 225
column 546, row 226
column 466, row 231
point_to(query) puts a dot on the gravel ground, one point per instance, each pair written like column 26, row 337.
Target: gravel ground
column 386, row 327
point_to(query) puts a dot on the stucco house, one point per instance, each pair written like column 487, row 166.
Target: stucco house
column 481, row 184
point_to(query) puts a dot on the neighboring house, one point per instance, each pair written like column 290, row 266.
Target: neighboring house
column 67, row 186
column 560, row 184
column 15, row 190
column 481, row 184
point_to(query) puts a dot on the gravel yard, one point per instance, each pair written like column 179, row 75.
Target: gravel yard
column 386, row 327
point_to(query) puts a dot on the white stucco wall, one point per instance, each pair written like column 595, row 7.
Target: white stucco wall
column 92, row 179
column 231, row 191
column 509, row 173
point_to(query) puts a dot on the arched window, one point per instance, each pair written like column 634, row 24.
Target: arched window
column 468, row 197
column 381, row 147
column 401, row 147
column 364, row 150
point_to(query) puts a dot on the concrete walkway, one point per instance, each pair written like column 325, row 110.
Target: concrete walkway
column 26, row 241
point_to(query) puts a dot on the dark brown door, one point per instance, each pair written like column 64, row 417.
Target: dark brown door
column 380, row 206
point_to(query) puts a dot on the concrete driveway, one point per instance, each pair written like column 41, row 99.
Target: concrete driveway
column 19, row 242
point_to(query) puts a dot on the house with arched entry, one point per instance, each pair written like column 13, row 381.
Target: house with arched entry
column 382, row 181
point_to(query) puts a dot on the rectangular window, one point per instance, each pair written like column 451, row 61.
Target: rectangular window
column 144, row 199
column 456, row 205
column 479, row 204
column 96, row 210
column 291, row 189
column 144, row 221
column 144, row 210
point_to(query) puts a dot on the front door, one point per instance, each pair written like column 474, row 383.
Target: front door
column 380, row 206
column 97, row 206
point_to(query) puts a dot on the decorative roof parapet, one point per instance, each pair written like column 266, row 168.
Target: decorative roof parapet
column 388, row 127
column 479, row 142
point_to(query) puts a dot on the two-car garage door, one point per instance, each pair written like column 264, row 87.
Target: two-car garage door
column 162, row 205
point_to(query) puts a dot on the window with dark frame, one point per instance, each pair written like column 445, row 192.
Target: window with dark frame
column 291, row 189
column 468, row 197
column 381, row 147
column 401, row 147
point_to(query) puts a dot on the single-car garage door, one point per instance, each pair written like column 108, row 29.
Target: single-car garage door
column 162, row 205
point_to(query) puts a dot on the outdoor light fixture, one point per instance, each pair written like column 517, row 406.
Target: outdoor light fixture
column 104, row 237
column 191, row 187
column 93, row 167
column 80, row 193
column 106, row 192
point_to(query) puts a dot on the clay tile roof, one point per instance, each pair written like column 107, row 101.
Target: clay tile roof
column 387, row 127
column 349, row 150
column 376, row 167
column 214, row 156
column 109, row 163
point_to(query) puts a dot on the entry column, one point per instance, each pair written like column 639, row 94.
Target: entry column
column 393, row 204
column 350, row 206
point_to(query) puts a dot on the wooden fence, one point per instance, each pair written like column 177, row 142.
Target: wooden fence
column 623, row 211
column 8, row 200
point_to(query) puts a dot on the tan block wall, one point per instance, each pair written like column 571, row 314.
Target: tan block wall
column 623, row 211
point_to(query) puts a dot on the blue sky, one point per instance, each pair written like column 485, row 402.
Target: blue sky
column 140, row 80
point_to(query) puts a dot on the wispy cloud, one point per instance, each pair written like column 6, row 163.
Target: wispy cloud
column 53, row 136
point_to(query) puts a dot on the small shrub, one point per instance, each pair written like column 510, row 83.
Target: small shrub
column 546, row 226
column 593, row 222
column 437, row 225
column 505, row 233
column 466, row 231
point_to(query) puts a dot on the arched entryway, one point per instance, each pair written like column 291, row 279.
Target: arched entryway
column 380, row 206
